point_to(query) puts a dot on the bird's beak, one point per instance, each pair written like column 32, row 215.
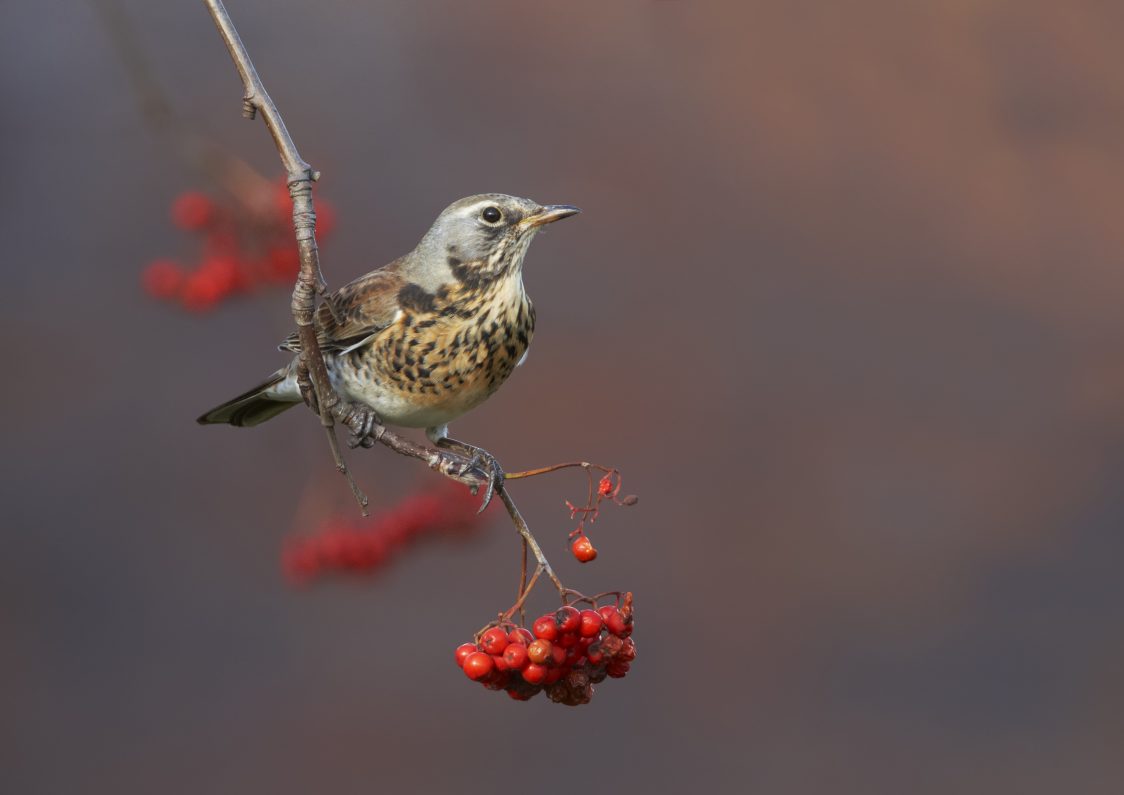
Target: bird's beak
column 549, row 214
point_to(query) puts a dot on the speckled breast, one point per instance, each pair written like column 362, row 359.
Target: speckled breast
column 430, row 367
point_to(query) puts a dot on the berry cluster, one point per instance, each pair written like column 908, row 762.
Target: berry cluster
column 564, row 653
column 342, row 545
column 241, row 250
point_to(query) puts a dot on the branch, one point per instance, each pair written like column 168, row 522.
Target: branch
column 601, row 651
column 312, row 372
column 310, row 282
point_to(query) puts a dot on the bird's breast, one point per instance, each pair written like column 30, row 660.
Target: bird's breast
column 429, row 367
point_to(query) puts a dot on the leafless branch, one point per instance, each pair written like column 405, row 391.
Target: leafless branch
column 574, row 668
column 310, row 282
column 310, row 285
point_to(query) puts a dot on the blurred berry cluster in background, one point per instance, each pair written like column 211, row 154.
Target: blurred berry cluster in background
column 240, row 251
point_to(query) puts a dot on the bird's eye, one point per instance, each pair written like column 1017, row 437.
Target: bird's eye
column 491, row 215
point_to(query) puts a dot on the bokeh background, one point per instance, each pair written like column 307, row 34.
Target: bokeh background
column 844, row 305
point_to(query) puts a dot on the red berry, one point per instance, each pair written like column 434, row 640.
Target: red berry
column 557, row 656
column 330, row 544
column 610, row 645
column 222, row 270
column 499, row 662
column 373, row 549
column 591, row 623
column 553, row 675
column 540, row 651
column 200, row 292
column 583, row 549
column 567, row 641
column 534, row 674
column 605, row 486
column 521, row 694
column 478, row 665
column 618, row 624
column 283, row 202
column 520, row 635
column 162, row 278
column 494, row 641
column 496, row 680
column 515, row 655
column 463, row 651
column 284, row 263
column 569, row 619
column 192, row 210
column 605, row 611
column 594, row 654
column 299, row 561
column 617, row 668
column 545, row 627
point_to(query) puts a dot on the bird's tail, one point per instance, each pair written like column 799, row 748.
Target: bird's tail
column 263, row 402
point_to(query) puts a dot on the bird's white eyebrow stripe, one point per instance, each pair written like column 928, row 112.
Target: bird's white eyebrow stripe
column 480, row 205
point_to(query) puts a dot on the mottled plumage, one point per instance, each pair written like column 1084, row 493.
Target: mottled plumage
column 433, row 334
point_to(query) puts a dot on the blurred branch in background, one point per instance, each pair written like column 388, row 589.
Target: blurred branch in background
column 252, row 190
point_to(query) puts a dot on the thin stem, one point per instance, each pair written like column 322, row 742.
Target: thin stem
column 255, row 96
column 519, row 603
column 341, row 467
column 523, row 583
column 530, row 473
column 578, row 596
column 528, row 537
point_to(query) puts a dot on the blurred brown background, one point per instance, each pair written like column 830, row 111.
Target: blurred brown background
column 844, row 304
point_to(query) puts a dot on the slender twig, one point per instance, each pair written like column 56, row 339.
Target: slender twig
column 530, row 473
column 528, row 537
column 520, row 602
column 310, row 282
column 523, row 583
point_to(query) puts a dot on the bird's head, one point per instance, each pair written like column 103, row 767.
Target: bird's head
column 484, row 237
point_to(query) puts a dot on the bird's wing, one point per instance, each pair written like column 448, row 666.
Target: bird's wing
column 355, row 312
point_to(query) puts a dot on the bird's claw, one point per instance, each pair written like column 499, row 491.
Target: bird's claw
column 366, row 430
column 495, row 479
column 484, row 462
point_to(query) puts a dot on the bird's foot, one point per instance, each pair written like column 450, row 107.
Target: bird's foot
column 366, row 430
column 481, row 460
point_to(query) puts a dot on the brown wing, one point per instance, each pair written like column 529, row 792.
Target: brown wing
column 362, row 309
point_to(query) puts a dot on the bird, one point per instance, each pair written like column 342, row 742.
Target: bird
column 430, row 336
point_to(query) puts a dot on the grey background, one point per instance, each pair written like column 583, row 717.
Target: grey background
column 844, row 304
